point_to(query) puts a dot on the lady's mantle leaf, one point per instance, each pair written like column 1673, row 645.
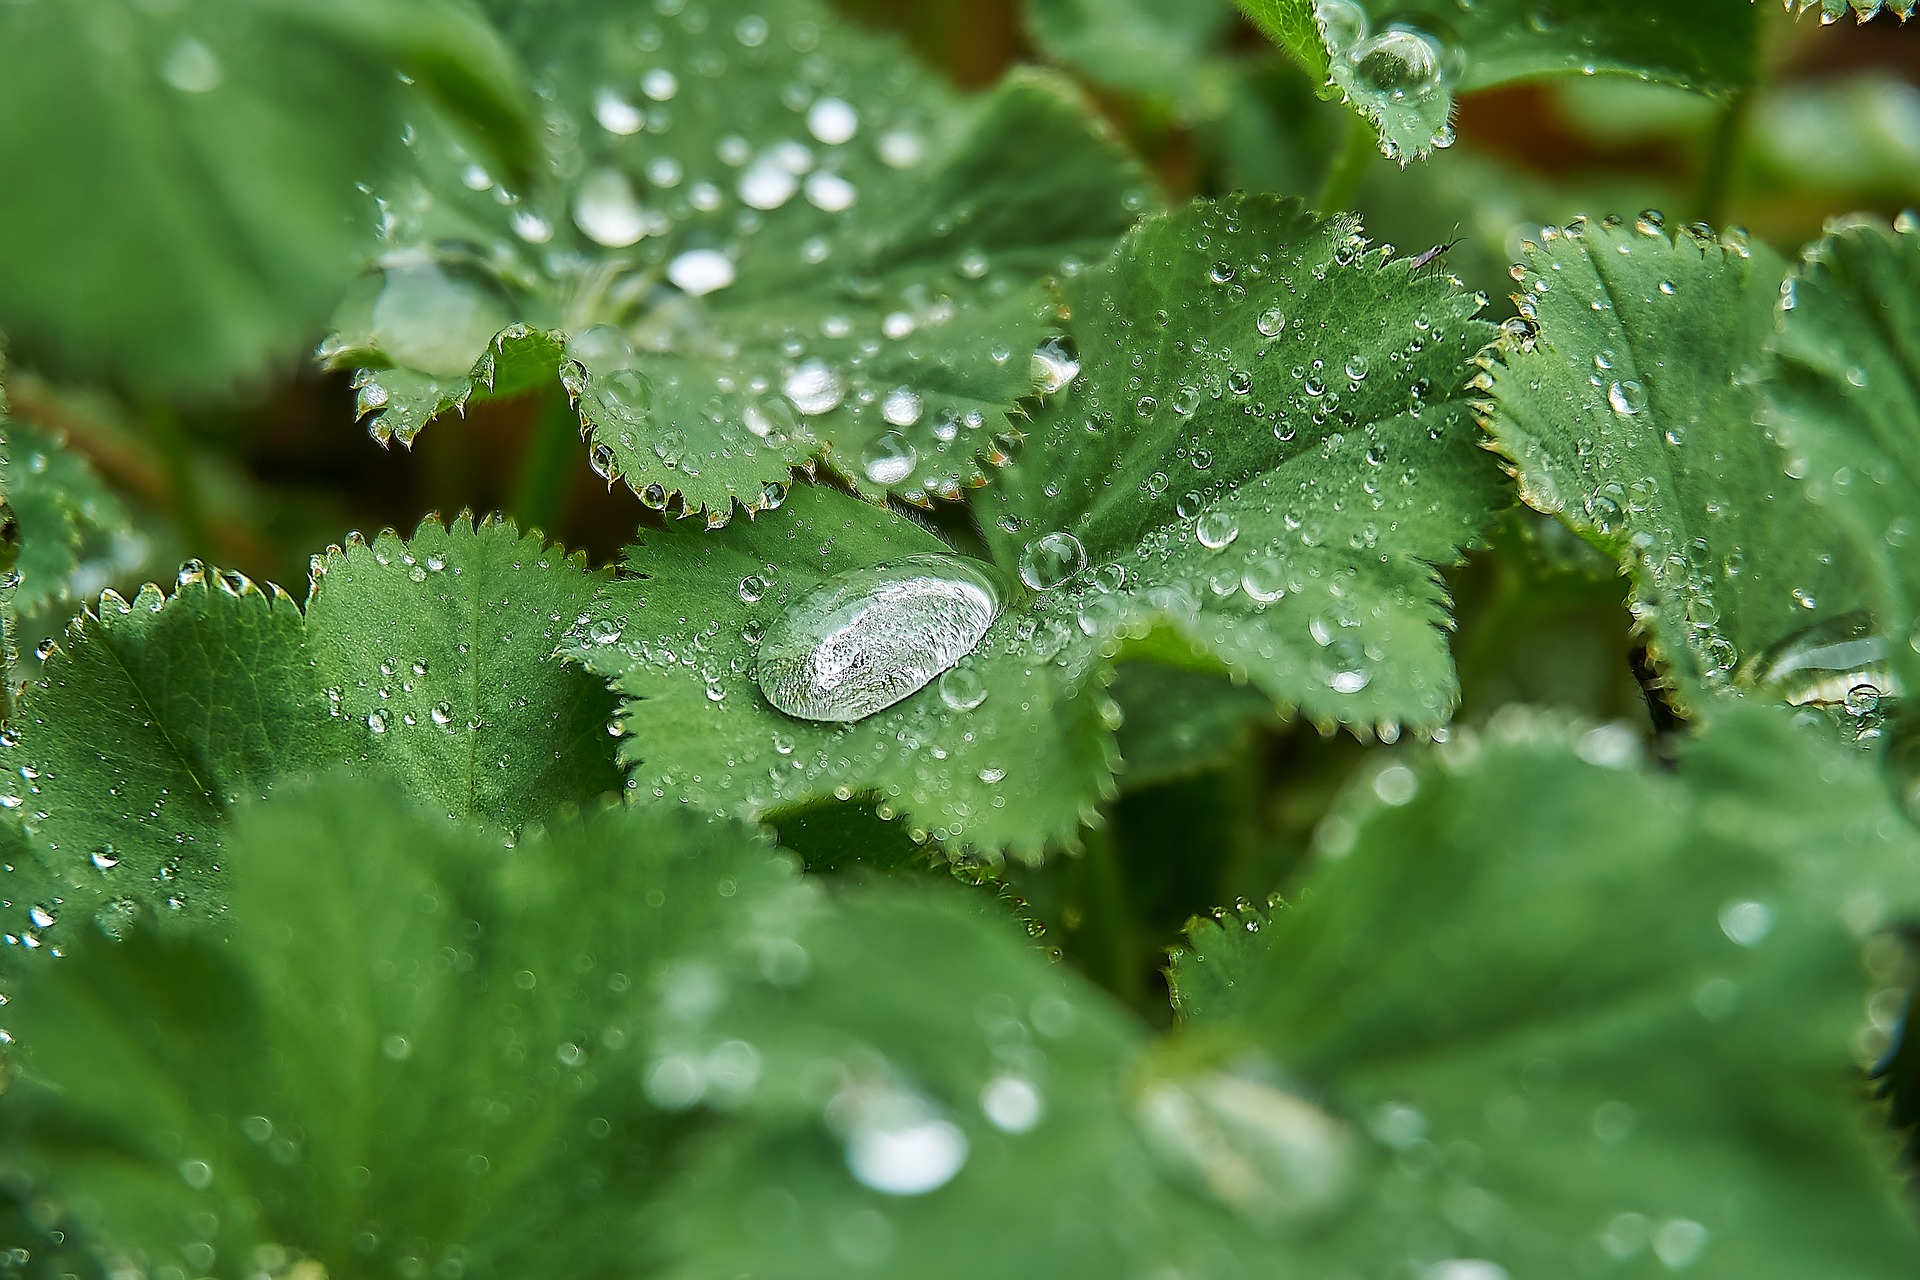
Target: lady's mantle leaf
column 1399, row 65
column 1845, row 396
column 1602, row 1013
column 417, row 1047
column 1631, row 416
column 153, row 718
column 182, row 204
column 1274, row 502
column 762, row 240
column 66, row 516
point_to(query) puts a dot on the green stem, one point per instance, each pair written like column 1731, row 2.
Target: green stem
column 553, row 448
column 1348, row 167
column 183, row 480
column 1723, row 156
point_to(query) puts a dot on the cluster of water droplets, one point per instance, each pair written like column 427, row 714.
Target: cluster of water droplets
column 1400, row 76
column 711, row 152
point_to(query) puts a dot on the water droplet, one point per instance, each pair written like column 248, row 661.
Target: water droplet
column 1822, row 664
column 1054, row 366
column 192, row 67
column 897, row 1143
column 832, row 121
column 863, row 640
column 1012, row 1104
column 814, row 387
column 829, row 192
column 1261, row 1151
column 607, row 210
column 1271, row 322
column 1051, row 560
column 701, row 271
column 902, row 407
column 1679, row 1242
column 660, row 84
column 962, row 688
column 616, row 114
column 767, row 183
column 1627, row 398
column 1746, row 922
column 890, row 459
column 1217, row 529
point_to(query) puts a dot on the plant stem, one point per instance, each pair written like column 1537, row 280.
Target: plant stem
column 183, row 482
column 1722, row 158
column 552, row 449
column 1349, row 165
column 1105, row 942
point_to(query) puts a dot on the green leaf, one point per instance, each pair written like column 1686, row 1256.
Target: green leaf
column 1164, row 48
column 1631, row 416
column 442, row 645
column 1399, row 66
column 152, row 719
column 183, row 209
column 1845, row 395
column 822, row 256
column 1007, row 1100
column 1630, row 997
column 1329, row 499
column 415, row 1048
column 1214, row 976
column 66, row 515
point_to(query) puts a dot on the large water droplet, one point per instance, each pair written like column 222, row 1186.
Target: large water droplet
column 832, row 121
column 1263, row 1152
column 889, row 459
column 897, row 1142
column 1822, row 664
column 863, row 640
column 1051, row 560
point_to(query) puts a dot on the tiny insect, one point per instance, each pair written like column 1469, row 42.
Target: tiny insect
column 1428, row 257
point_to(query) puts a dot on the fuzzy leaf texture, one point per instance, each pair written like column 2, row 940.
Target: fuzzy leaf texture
column 184, row 210
column 1631, row 415
column 153, row 718
column 638, row 1038
column 761, row 240
column 1611, row 1028
column 1845, row 395
column 1204, row 491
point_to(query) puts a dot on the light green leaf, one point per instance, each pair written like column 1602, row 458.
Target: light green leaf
column 1327, row 497
column 821, row 255
column 1163, row 48
column 1845, row 395
column 416, row 1048
column 1596, row 1012
column 1399, row 66
column 183, row 207
column 1631, row 416
column 152, row 719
